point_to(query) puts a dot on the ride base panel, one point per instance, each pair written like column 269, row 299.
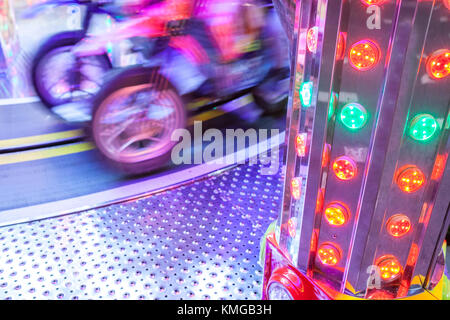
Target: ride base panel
column 199, row 241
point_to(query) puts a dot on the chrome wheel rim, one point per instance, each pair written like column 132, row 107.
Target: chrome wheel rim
column 136, row 123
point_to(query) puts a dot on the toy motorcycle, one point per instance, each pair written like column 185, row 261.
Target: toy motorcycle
column 138, row 108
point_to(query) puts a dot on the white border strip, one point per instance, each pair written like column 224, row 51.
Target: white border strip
column 13, row 101
column 134, row 191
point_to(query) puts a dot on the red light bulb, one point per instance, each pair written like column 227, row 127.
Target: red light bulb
column 329, row 254
column 311, row 39
column 390, row 268
column 296, row 187
column 344, row 168
column 438, row 64
column 372, row 2
column 410, row 178
column 319, row 201
column 340, row 50
column 326, row 155
column 398, row 225
column 381, row 295
column 336, row 214
column 446, row 4
column 439, row 166
column 364, row 55
column 292, row 226
column 300, row 144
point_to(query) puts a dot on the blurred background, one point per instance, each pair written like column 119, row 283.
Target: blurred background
column 91, row 91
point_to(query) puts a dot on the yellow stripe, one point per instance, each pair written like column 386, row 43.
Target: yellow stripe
column 208, row 115
column 44, row 138
column 198, row 103
column 45, row 153
column 79, row 147
column 68, row 149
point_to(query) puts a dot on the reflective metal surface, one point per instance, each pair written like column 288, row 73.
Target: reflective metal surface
column 378, row 195
column 392, row 91
column 200, row 241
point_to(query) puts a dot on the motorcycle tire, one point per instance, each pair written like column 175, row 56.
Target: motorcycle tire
column 121, row 86
column 60, row 40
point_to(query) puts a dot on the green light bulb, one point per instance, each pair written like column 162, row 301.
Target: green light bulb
column 353, row 116
column 423, row 127
column 305, row 92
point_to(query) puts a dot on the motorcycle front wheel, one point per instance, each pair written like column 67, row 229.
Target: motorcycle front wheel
column 60, row 77
column 134, row 117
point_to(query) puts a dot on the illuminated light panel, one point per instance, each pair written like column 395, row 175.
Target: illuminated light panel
column 373, row 2
column 336, row 214
column 319, row 201
column 381, row 295
column 439, row 166
column 332, row 105
column 344, row 168
column 329, row 254
column 300, row 144
column 390, row 268
column 353, row 116
column 364, row 55
column 311, row 39
column 340, row 50
column 398, row 225
column 410, row 179
column 446, row 4
column 292, row 227
column 423, row 127
column 438, row 64
column 326, row 155
column 296, row 187
column 305, row 92
column 413, row 254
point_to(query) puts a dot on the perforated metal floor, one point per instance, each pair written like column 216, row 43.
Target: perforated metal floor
column 200, row 241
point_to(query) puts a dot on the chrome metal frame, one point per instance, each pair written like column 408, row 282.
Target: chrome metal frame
column 396, row 90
